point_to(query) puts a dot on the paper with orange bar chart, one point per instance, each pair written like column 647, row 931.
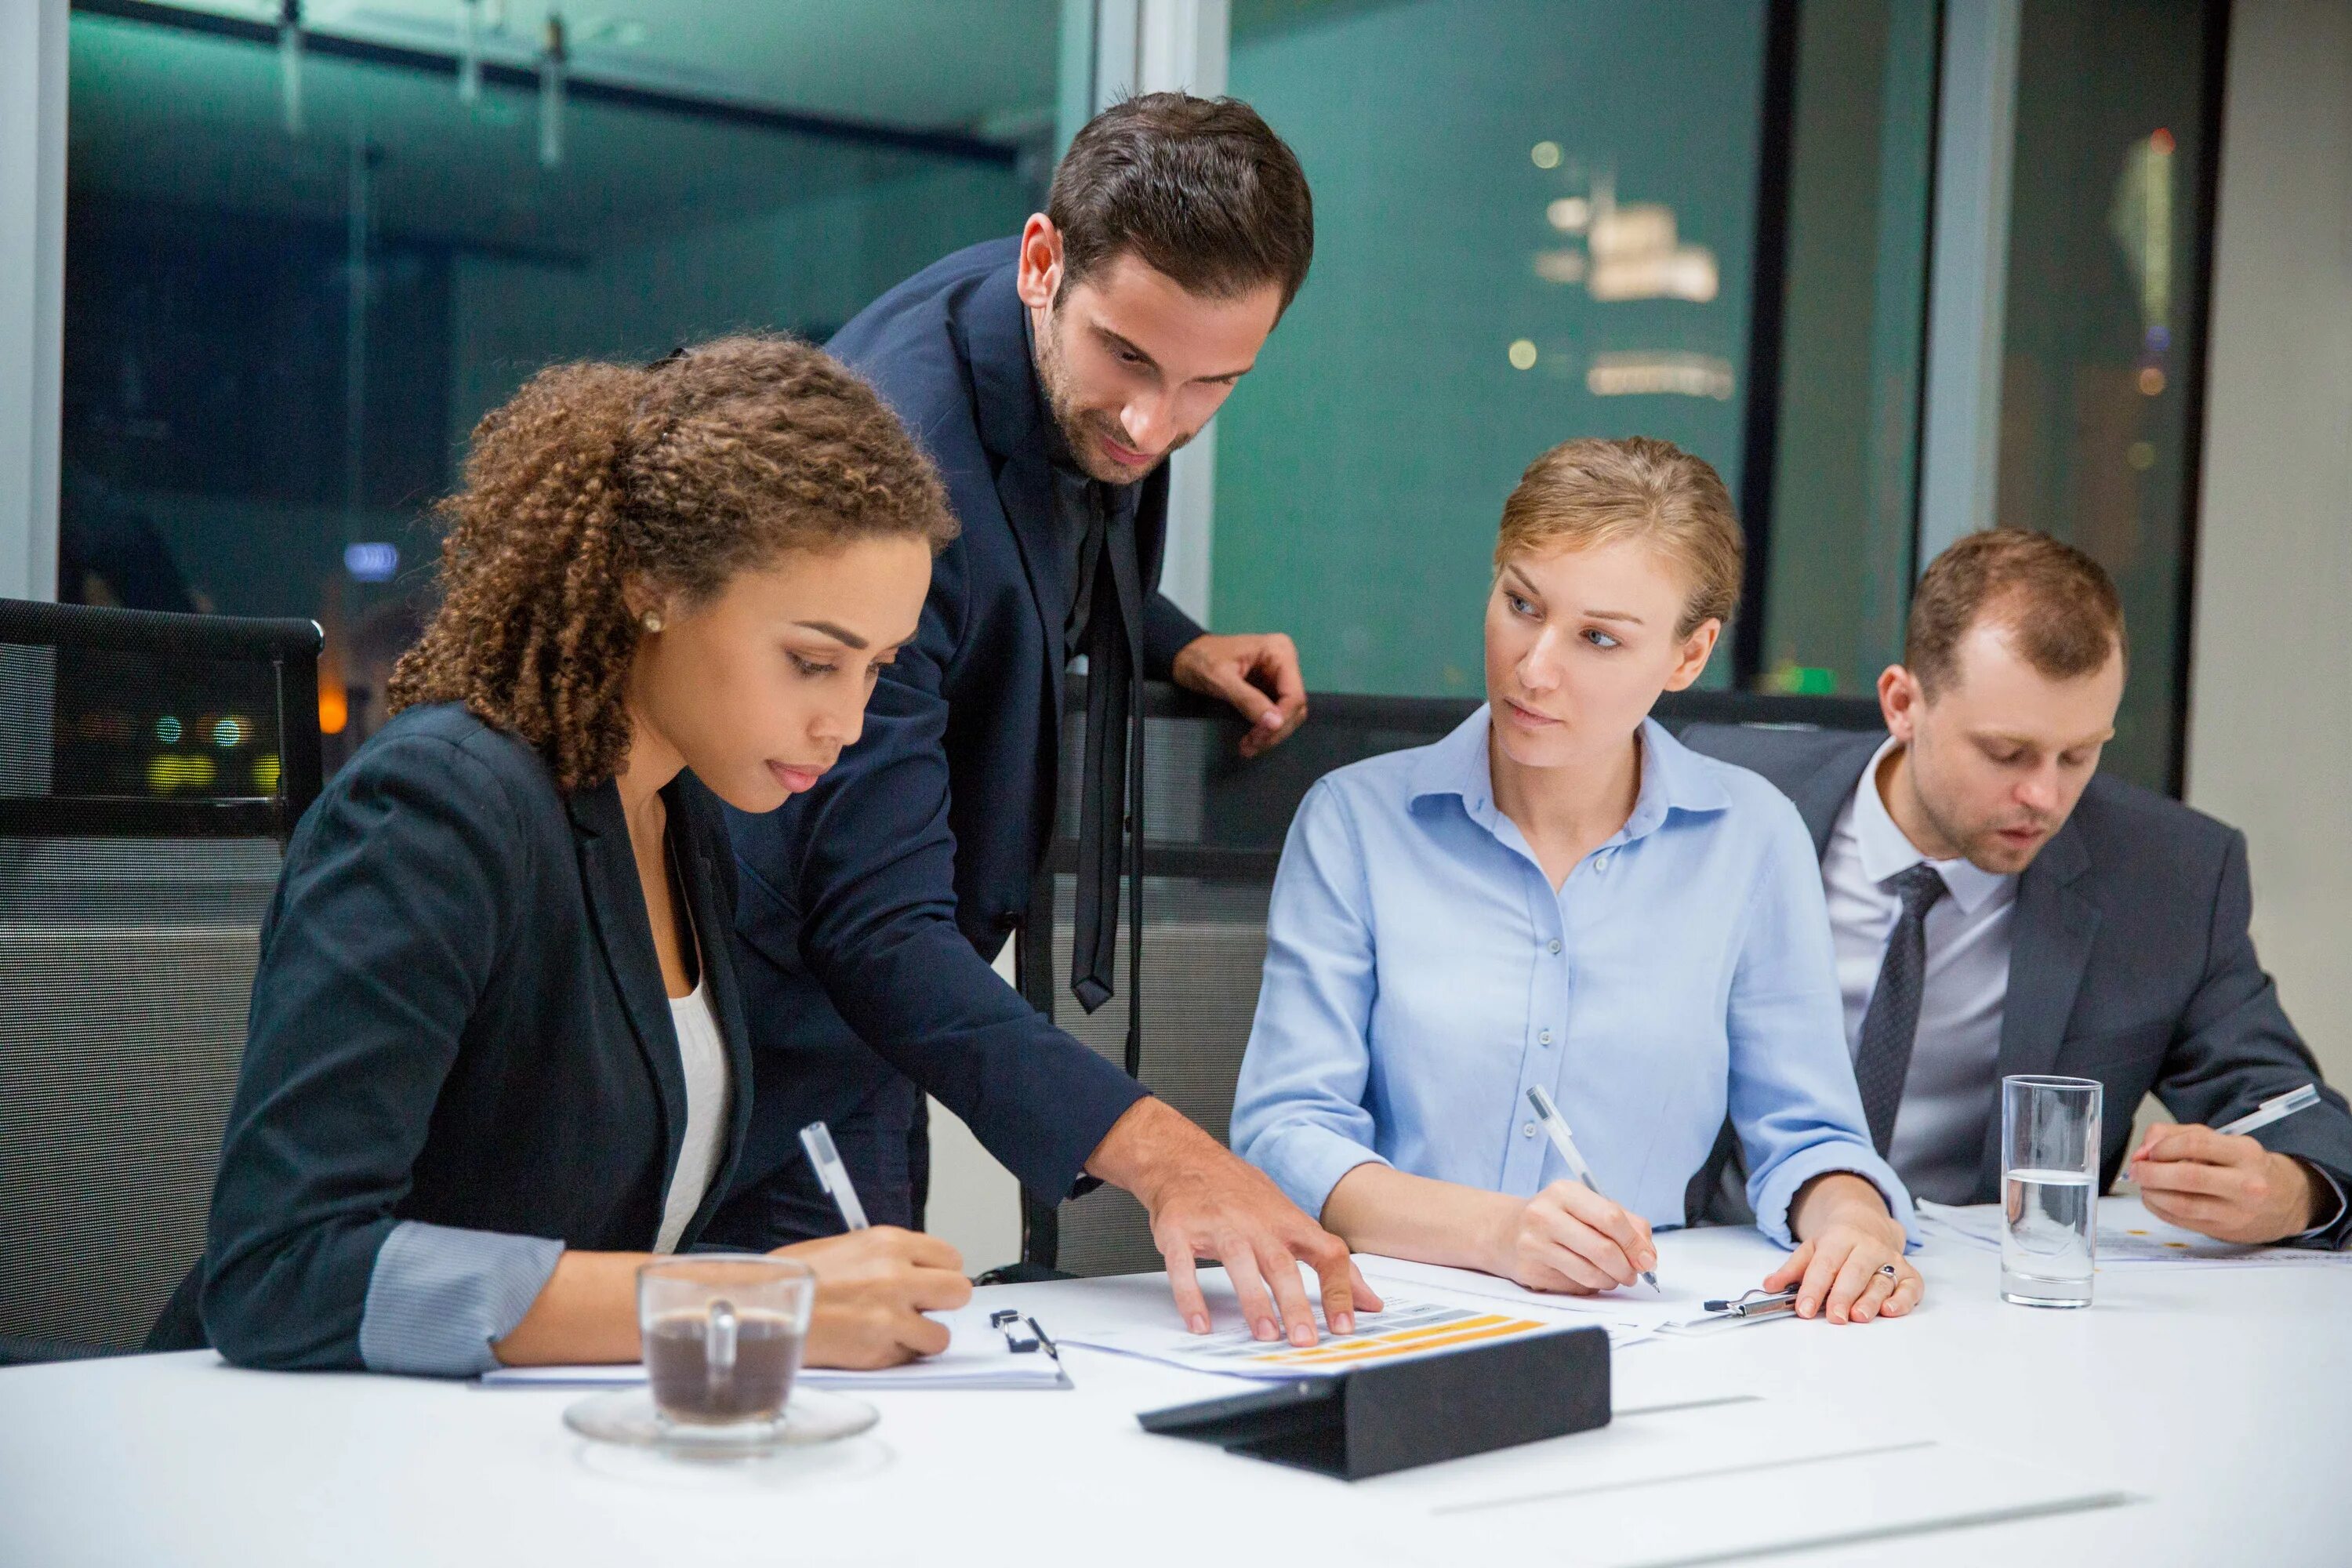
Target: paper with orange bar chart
column 1407, row 1328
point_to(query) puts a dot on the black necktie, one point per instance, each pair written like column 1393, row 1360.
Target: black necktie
column 1892, row 1024
column 1111, row 787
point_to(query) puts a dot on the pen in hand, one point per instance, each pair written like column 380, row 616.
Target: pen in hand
column 2276, row 1109
column 1564, row 1141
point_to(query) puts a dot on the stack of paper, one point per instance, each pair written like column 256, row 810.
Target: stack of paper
column 2128, row 1235
column 1431, row 1309
column 1631, row 1314
column 978, row 1356
column 1406, row 1328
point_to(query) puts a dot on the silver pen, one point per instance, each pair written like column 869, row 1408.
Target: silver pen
column 817, row 1139
column 1565, row 1141
column 2277, row 1109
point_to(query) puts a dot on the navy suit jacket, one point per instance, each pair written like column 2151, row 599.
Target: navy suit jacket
column 459, row 1017
column 871, row 905
column 2130, row 960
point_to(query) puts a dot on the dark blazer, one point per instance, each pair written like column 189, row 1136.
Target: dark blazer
column 459, row 1017
column 871, row 905
column 2129, row 958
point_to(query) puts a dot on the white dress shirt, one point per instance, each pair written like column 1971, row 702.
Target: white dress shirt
column 1947, row 1097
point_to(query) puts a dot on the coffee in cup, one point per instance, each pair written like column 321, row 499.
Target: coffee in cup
column 722, row 1335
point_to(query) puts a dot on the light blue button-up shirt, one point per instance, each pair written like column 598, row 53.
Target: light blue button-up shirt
column 1421, row 974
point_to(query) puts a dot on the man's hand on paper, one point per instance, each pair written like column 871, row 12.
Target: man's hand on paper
column 2230, row 1188
column 1206, row 1203
column 1570, row 1239
column 1848, row 1239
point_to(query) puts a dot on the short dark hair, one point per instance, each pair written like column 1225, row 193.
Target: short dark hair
column 2058, row 607
column 1199, row 188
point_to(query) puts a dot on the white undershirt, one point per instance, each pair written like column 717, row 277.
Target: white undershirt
column 702, row 1056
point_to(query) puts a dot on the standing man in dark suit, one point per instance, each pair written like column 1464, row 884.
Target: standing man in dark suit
column 1998, row 908
column 1049, row 377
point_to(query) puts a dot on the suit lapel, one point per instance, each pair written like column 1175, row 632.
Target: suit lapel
column 1009, row 413
column 616, row 908
column 2050, row 947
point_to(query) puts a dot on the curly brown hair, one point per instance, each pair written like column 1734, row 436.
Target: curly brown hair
column 679, row 474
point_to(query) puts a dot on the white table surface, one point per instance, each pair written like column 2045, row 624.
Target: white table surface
column 2221, row 1399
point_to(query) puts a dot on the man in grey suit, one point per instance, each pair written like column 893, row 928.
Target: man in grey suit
column 2000, row 909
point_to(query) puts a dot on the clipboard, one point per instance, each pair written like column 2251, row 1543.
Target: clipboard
column 1372, row 1420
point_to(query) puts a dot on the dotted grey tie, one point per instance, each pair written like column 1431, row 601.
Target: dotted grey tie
column 1888, row 1028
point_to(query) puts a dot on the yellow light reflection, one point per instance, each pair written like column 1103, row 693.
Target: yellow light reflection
column 1523, row 354
column 169, row 771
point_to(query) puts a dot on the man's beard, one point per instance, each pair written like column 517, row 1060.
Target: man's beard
column 1082, row 432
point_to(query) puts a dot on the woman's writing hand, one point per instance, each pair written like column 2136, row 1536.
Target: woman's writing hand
column 1570, row 1238
column 873, row 1288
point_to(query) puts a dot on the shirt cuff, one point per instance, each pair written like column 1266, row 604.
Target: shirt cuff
column 1772, row 1197
column 441, row 1297
column 2320, row 1232
column 1306, row 1162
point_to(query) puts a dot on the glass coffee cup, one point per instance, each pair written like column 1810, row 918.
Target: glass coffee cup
column 722, row 1335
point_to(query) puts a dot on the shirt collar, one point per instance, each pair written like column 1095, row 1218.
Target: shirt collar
column 1673, row 777
column 1887, row 851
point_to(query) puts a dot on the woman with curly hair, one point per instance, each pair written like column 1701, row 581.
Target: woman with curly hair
column 496, row 1055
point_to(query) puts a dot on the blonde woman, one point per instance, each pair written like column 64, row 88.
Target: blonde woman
column 1559, row 894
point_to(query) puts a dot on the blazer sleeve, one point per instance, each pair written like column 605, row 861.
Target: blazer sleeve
column 388, row 923
column 1166, row 632
column 2233, row 1049
column 866, row 874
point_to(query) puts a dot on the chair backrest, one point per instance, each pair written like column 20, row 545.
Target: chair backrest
column 1214, row 826
column 151, row 767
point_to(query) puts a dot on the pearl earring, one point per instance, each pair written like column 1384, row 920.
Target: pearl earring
column 653, row 621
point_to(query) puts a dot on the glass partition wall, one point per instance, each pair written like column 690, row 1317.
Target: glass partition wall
column 296, row 275
column 300, row 267
column 1534, row 220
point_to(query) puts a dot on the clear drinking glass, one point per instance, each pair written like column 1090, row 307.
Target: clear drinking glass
column 2050, row 1189
column 722, row 1335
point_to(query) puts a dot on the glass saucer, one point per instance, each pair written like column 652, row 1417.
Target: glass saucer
column 627, row 1415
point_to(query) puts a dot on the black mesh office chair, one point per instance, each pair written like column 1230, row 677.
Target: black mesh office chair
column 151, row 767
column 1215, row 825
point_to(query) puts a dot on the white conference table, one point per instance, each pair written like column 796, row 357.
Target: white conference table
column 2220, row 1401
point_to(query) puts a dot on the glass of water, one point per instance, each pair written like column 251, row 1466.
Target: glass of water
column 2050, row 1189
